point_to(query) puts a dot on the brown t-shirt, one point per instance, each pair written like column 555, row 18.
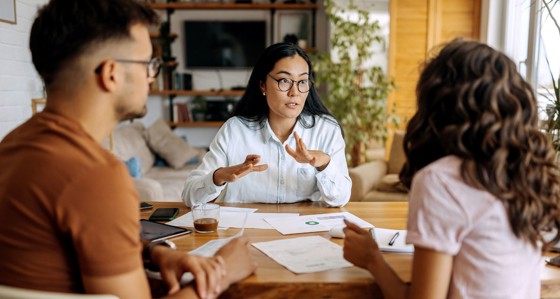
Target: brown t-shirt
column 67, row 207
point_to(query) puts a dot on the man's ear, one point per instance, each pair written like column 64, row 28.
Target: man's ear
column 107, row 76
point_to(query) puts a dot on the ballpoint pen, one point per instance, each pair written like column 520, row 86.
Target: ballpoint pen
column 393, row 239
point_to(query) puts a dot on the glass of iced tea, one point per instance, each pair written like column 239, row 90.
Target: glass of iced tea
column 206, row 217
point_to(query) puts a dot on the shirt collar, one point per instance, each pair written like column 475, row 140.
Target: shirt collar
column 268, row 134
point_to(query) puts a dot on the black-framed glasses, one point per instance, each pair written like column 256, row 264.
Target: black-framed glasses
column 286, row 84
column 153, row 66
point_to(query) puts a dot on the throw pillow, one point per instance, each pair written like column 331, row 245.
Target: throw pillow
column 134, row 167
column 169, row 146
column 391, row 183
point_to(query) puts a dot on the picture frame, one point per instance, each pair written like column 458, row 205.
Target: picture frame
column 8, row 11
column 37, row 105
column 296, row 22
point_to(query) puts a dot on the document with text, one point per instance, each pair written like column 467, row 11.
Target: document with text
column 305, row 254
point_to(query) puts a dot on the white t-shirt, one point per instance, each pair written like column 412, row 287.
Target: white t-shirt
column 472, row 225
column 285, row 180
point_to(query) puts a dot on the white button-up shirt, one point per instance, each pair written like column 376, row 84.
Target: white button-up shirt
column 285, row 180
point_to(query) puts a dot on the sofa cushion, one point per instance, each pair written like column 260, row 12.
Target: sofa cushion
column 134, row 167
column 172, row 180
column 391, row 183
column 169, row 146
column 129, row 142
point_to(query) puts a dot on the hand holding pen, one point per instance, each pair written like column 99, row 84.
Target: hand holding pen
column 360, row 248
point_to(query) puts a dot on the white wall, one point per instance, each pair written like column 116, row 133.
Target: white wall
column 19, row 82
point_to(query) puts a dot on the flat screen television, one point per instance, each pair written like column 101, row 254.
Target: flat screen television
column 223, row 44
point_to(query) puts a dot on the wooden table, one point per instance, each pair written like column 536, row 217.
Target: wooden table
column 272, row 280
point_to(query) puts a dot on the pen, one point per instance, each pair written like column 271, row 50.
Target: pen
column 393, row 239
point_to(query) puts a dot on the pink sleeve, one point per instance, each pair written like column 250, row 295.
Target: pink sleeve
column 436, row 218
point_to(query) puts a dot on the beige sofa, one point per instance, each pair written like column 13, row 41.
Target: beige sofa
column 156, row 183
column 378, row 180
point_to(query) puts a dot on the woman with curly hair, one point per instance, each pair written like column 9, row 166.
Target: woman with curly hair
column 483, row 183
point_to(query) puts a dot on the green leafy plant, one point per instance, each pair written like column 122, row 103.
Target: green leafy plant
column 198, row 108
column 552, row 125
column 355, row 93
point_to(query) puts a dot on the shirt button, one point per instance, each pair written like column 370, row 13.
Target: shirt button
column 282, row 182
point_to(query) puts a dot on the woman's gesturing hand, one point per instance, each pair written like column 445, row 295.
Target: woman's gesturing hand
column 233, row 173
column 317, row 159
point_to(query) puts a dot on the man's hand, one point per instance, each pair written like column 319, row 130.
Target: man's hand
column 317, row 159
column 239, row 263
column 209, row 273
column 233, row 173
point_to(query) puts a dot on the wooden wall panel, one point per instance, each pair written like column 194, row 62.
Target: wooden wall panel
column 416, row 27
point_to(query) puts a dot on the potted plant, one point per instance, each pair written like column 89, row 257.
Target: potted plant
column 198, row 108
column 552, row 124
column 355, row 93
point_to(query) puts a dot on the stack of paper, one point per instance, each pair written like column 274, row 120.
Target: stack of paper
column 234, row 217
column 392, row 240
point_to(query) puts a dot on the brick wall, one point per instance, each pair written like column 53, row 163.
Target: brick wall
column 19, row 82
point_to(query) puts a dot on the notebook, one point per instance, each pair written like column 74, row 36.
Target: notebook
column 392, row 240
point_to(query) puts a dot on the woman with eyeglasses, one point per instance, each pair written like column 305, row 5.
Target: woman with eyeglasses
column 282, row 145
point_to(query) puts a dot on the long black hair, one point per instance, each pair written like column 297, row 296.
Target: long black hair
column 253, row 108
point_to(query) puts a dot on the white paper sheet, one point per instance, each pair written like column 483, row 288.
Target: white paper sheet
column 314, row 223
column 235, row 219
column 383, row 236
column 305, row 254
column 187, row 219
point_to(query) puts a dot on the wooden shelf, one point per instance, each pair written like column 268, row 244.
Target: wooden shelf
column 262, row 6
column 154, row 35
column 198, row 92
column 197, row 124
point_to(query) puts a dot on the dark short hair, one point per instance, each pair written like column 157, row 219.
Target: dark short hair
column 253, row 106
column 64, row 29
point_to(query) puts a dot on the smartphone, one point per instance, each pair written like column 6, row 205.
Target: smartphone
column 145, row 206
column 164, row 214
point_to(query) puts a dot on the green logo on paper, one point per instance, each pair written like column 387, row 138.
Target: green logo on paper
column 311, row 222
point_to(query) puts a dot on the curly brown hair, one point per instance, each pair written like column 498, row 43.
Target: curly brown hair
column 472, row 103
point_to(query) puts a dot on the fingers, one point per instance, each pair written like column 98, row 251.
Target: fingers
column 352, row 227
column 291, row 152
column 208, row 275
column 170, row 280
column 260, row 167
column 252, row 159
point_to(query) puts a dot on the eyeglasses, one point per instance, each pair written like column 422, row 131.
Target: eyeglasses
column 153, row 66
column 286, row 84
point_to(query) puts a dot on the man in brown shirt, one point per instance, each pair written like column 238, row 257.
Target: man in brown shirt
column 68, row 209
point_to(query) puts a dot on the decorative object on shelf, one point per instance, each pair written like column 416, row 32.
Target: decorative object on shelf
column 356, row 94
column 199, row 108
column 293, row 25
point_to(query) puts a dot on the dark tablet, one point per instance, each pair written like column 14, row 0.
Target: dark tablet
column 155, row 231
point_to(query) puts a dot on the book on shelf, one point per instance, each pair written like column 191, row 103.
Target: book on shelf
column 181, row 113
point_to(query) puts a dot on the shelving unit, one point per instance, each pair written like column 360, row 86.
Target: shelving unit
column 196, row 124
column 231, row 93
column 261, row 6
column 170, row 7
